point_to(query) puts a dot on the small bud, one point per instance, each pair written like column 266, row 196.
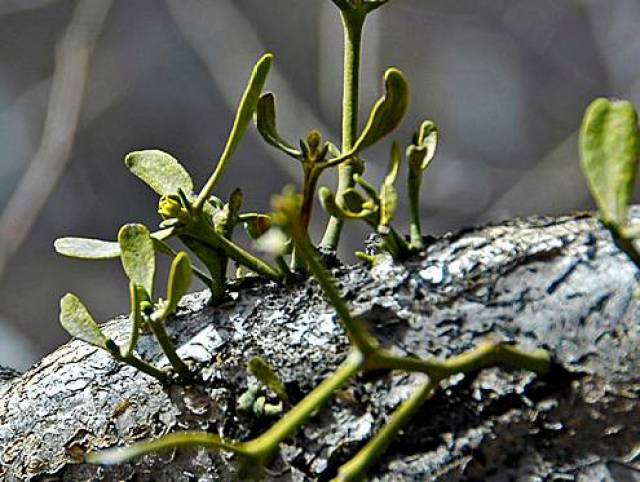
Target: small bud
column 314, row 139
column 170, row 207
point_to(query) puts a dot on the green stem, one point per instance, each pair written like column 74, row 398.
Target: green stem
column 485, row 355
column 204, row 232
column 159, row 331
column 357, row 467
column 311, row 176
column 145, row 367
column 353, row 22
column 358, row 334
column 211, row 259
column 263, row 447
column 415, row 230
column 623, row 242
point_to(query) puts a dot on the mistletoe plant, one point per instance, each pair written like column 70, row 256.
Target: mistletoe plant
column 205, row 225
column 367, row 355
column 137, row 253
column 610, row 151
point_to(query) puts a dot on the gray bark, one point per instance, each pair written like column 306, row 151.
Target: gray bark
column 554, row 283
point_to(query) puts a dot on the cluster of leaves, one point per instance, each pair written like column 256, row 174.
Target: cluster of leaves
column 610, row 152
column 205, row 225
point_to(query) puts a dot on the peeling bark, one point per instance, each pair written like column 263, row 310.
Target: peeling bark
column 557, row 283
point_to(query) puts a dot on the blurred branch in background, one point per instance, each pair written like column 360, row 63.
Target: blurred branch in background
column 207, row 25
column 15, row 6
column 72, row 61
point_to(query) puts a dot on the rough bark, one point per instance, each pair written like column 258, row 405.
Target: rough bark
column 556, row 283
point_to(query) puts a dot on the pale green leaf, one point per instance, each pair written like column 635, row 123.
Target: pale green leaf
column 76, row 319
column 160, row 171
column 267, row 376
column 328, row 202
column 138, row 255
column 421, row 153
column 388, row 110
column 609, row 147
column 266, row 124
column 87, row 248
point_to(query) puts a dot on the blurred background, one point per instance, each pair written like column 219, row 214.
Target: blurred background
column 84, row 82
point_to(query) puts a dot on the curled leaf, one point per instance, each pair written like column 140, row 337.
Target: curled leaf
column 160, row 171
column 78, row 322
column 260, row 369
column 387, row 112
column 138, row 255
column 328, row 201
column 266, row 124
column 422, row 151
column 609, row 148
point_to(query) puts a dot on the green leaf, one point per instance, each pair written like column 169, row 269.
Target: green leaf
column 266, row 124
column 244, row 114
column 394, row 164
column 87, row 248
column 168, row 442
column 388, row 110
column 267, row 376
column 76, row 319
column 135, row 319
column 388, row 206
column 138, row 255
column 160, row 171
column 179, row 281
column 328, row 201
column 609, row 146
column 423, row 150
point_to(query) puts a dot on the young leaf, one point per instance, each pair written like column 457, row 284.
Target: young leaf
column 76, row 319
column 135, row 319
column 267, row 376
column 328, row 202
column 609, row 146
column 179, row 281
column 246, row 109
column 266, row 124
column 394, row 164
column 421, row 152
column 388, row 110
column 160, row 171
column 86, row 248
column 138, row 255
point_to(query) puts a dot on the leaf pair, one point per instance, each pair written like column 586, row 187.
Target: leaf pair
column 385, row 116
column 138, row 260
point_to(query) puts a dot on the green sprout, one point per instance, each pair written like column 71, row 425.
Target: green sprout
column 201, row 221
column 367, row 355
column 610, row 151
column 206, row 226
column 137, row 253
